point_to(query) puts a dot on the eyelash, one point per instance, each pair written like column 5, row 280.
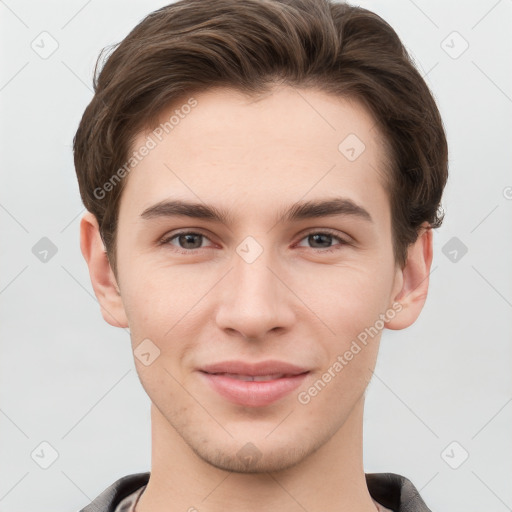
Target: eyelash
column 166, row 240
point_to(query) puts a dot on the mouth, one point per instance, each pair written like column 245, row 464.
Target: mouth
column 253, row 385
column 254, row 378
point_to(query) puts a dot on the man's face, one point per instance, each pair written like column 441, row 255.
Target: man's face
column 263, row 286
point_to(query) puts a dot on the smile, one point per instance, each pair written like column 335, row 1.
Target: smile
column 253, row 390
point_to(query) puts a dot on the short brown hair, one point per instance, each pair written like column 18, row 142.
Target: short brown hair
column 192, row 45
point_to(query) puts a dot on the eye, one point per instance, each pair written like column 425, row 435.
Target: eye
column 321, row 240
column 187, row 240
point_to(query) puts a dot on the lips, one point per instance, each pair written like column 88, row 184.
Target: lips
column 262, row 368
column 252, row 378
column 253, row 384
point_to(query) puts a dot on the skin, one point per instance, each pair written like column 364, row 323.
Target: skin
column 295, row 302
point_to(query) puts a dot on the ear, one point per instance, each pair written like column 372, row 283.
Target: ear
column 102, row 277
column 413, row 280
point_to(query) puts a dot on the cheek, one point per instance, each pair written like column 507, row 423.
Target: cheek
column 162, row 305
column 154, row 296
column 348, row 297
column 352, row 308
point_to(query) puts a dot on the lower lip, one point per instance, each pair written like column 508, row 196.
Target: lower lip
column 253, row 393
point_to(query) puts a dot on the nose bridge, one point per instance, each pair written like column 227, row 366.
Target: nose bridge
column 254, row 299
column 254, row 282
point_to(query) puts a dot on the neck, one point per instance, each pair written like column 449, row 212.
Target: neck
column 331, row 479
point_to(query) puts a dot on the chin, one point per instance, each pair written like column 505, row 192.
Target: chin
column 256, row 463
column 246, row 457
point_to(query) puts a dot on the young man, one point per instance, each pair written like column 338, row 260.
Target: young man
column 261, row 179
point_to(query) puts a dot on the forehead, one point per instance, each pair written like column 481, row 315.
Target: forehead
column 277, row 148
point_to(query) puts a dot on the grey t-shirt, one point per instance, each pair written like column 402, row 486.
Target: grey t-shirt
column 128, row 504
column 390, row 492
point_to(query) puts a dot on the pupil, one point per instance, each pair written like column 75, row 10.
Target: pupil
column 189, row 239
column 317, row 236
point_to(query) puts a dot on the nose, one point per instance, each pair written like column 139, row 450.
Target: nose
column 254, row 299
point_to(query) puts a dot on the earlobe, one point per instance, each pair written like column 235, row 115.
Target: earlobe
column 102, row 278
column 414, row 281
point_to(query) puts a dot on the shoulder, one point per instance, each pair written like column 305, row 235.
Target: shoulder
column 392, row 491
column 395, row 492
column 120, row 489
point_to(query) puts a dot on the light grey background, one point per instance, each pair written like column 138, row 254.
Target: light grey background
column 68, row 378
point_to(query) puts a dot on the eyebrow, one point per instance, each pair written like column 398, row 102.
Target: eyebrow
column 299, row 211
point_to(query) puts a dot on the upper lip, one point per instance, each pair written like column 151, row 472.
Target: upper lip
column 270, row 367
